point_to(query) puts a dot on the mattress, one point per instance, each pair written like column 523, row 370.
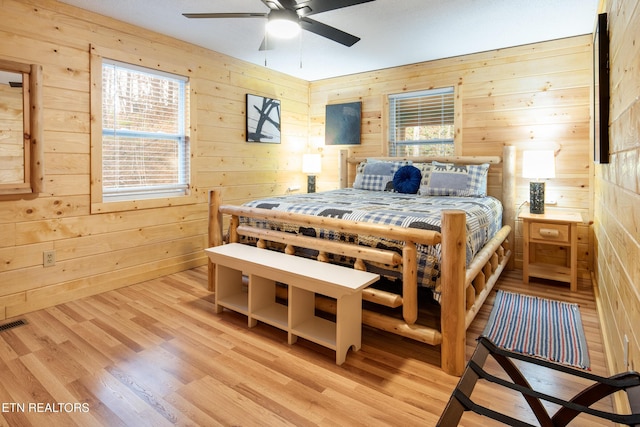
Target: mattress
column 484, row 219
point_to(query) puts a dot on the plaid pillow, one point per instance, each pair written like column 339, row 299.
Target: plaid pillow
column 425, row 171
column 449, row 179
column 376, row 175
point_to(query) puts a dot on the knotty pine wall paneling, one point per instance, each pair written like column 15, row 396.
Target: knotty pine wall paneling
column 97, row 252
column 532, row 97
column 617, row 194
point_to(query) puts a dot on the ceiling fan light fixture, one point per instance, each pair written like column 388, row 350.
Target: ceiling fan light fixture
column 283, row 24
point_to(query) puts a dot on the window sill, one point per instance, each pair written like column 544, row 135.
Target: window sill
column 135, row 205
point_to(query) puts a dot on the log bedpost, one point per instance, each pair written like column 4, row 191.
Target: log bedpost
column 215, row 232
column 453, row 308
column 409, row 283
column 343, row 168
column 215, row 219
column 509, row 195
column 234, row 222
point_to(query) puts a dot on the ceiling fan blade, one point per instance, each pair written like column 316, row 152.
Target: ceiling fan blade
column 273, row 4
column 269, row 44
column 225, row 15
column 311, row 7
column 328, row 32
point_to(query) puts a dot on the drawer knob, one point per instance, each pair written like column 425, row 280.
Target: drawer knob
column 549, row 232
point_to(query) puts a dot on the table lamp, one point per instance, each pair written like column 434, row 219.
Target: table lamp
column 538, row 165
column 311, row 165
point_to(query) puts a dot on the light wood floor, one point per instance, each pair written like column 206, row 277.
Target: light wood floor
column 156, row 354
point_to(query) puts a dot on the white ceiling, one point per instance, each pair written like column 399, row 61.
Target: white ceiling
column 393, row 32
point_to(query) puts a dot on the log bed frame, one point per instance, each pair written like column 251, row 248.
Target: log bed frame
column 464, row 290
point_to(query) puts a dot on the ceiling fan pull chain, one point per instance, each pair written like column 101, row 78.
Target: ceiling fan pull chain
column 300, row 49
column 266, row 45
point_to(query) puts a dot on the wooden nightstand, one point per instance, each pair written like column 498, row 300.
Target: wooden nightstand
column 559, row 229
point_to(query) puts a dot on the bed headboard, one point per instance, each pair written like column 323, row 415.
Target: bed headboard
column 501, row 178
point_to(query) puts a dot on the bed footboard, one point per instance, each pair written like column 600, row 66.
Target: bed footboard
column 463, row 290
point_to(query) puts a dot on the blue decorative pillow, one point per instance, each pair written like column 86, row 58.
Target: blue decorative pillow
column 407, row 179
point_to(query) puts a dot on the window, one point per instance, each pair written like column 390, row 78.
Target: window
column 422, row 123
column 145, row 141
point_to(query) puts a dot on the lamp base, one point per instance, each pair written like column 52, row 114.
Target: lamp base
column 311, row 183
column 536, row 197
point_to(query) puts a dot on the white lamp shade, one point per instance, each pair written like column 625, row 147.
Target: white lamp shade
column 283, row 24
column 311, row 164
column 539, row 164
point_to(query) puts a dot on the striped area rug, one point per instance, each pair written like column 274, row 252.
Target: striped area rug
column 540, row 327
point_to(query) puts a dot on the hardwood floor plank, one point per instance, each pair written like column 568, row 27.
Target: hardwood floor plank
column 11, row 413
column 15, row 345
column 21, row 383
column 35, row 399
column 126, row 338
column 107, row 346
column 122, row 400
column 146, row 389
column 269, row 388
column 156, row 354
column 267, row 399
column 63, row 367
column 191, row 414
column 80, row 311
column 7, row 350
column 56, row 388
column 48, row 325
column 228, row 406
column 97, row 409
column 161, row 363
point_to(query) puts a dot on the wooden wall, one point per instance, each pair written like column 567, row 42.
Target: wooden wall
column 617, row 193
column 532, row 97
column 103, row 251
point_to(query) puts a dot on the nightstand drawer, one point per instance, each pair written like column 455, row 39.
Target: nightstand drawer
column 550, row 232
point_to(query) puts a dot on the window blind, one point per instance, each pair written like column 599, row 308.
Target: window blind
column 421, row 119
column 145, row 147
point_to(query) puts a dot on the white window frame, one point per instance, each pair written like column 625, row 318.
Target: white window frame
column 133, row 198
column 441, row 95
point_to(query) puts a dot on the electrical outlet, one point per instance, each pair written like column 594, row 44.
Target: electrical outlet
column 49, row 258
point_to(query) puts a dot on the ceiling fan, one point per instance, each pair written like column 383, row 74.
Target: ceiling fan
column 295, row 15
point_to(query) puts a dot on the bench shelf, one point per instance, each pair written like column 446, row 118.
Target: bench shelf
column 305, row 278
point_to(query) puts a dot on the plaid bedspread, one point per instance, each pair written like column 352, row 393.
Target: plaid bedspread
column 484, row 219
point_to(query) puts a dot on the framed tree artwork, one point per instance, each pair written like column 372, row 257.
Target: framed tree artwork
column 263, row 119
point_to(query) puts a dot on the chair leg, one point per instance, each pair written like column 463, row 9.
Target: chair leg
column 454, row 409
column 534, row 403
column 592, row 394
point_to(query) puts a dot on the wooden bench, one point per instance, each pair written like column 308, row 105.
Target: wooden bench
column 304, row 278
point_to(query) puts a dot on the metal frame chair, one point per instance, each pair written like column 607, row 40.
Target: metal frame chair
column 460, row 400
